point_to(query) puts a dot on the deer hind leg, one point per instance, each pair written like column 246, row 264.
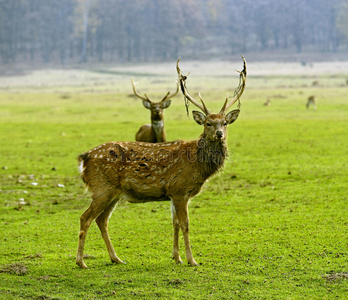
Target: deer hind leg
column 97, row 206
column 181, row 214
column 102, row 221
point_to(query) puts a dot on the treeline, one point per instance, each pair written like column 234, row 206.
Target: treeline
column 71, row 31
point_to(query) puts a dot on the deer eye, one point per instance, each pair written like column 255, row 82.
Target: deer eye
column 208, row 124
column 225, row 124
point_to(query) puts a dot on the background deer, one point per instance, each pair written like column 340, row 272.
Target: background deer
column 267, row 103
column 140, row 172
column 312, row 101
column 154, row 132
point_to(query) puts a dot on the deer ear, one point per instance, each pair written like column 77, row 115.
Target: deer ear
column 147, row 104
column 199, row 117
column 166, row 104
column 232, row 116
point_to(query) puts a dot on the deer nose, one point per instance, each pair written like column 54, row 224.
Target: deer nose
column 219, row 134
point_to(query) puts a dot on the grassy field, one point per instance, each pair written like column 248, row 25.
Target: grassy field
column 272, row 225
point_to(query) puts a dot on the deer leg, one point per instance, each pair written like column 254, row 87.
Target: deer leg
column 102, row 221
column 183, row 220
column 85, row 221
column 96, row 207
column 176, row 226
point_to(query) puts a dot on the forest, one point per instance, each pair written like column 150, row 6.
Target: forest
column 79, row 31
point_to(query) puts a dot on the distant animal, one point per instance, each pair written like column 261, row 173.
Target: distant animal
column 312, row 101
column 141, row 172
column 267, row 103
column 154, row 132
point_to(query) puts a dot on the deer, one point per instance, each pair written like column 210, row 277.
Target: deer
column 312, row 101
column 154, row 132
column 267, row 103
column 140, row 172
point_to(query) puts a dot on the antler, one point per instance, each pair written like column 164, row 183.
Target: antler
column 167, row 97
column 182, row 80
column 238, row 91
column 146, row 98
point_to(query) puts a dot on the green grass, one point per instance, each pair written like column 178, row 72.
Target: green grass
column 272, row 225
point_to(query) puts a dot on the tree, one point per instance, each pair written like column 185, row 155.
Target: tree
column 68, row 31
column 342, row 20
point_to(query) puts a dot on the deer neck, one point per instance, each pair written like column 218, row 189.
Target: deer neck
column 211, row 156
column 158, row 128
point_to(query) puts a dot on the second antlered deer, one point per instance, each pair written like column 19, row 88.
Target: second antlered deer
column 141, row 172
column 154, row 132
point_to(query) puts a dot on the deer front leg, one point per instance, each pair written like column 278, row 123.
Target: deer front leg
column 181, row 215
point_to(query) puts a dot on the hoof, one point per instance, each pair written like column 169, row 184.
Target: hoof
column 193, row 264
column 82, row 265
column 178, row 260
column 118, row 261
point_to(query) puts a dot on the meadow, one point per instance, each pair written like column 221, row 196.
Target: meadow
column 272, row 225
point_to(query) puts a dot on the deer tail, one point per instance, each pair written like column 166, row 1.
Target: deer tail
column 83, row 159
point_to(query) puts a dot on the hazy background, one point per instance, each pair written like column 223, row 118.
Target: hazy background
column 43, row 33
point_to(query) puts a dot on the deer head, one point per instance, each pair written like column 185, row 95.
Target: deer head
column 215, row 125
column 156, row 108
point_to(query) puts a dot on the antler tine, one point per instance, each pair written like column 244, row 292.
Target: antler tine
column 239, row 90
column 168, row 96
column 182, row 80
column 223, row 109
column 205, row 107
column 146, row 98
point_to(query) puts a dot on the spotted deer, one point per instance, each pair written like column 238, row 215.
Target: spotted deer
column 312, row 101
column 140, row 172
column 154, row 132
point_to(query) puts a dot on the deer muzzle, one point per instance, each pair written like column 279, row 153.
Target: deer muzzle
column 219, row 134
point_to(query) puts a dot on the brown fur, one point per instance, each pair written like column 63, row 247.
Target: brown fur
column 141, row 172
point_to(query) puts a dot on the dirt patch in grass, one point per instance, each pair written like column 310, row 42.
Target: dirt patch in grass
column 37, row 255
column 16, row 268
column 175, row 282
column 335, row 277
column 87, row 256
